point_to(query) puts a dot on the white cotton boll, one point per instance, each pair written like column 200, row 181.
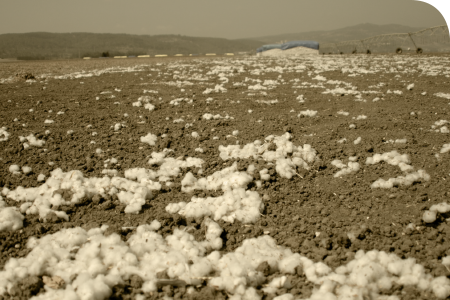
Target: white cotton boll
column 117, row 126
column 195, row 134
column 446, row 261
column 89, row 289
column 264, row 174
column 188, row 183
column 440, row 122
column 322, row 269
column 235, row 132
column 343, row 140
column 444, row 129
column 344, row 113
column 251, row 169
column 396, row 267
column 384, row 283
column 285, row 168
column 49, row 121
column 32, row 140
column 300, row 99
column 376, row 99
column 357, row 141
column 5, row 191
column 284, row 297
column 24, row 207
column 4, row 135
column 338, row 164
column 213, row 233
column 140, row 297
column 157, row 158
column 441, row 287
column 288, row 264
column 173, row 208
column 207, row 116
column 26, row 170
column 98, row 151
column 149, row 106
column 361, row 117
column 410, row 87
column 280, row 282
column 429, row 216
column 155, row 225
column 405, row 167
column 250, row 294
column 352, row 126
column 15, row 169
column 198, row 150
column 308, row 113
column 149, row 139
column 10, row 219
column 441, row 207
column 411, row 226
column 236, row 203
column 445, row 148
column 110, row 172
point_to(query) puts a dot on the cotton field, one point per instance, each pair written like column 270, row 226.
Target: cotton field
column 286, row 178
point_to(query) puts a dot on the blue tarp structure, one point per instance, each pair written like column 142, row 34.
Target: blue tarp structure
column 307, row 44
column 289, row 45
column 269, row 47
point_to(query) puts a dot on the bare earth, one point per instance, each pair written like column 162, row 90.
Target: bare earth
column 324, row 218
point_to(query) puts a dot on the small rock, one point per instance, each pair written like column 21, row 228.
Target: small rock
column 162, row 275
column 299, row 270
column 136, row 281
column 54, row 282
column 96, row 199
column 52, row 218
column 293, row 242
column 264, row 268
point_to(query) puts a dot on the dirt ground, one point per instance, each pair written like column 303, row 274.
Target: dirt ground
column 295, row 210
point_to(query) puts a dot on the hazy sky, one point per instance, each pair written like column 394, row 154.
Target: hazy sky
column 209, row 18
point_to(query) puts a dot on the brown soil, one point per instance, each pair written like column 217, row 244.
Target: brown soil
column 295, row 209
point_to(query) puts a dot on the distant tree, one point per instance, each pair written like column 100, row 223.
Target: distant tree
column 105, row 54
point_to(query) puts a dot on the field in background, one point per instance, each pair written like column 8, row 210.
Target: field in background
column 428, row 40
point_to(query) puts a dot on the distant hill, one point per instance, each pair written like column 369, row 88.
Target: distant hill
column 44, row 45
column 356, row 32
